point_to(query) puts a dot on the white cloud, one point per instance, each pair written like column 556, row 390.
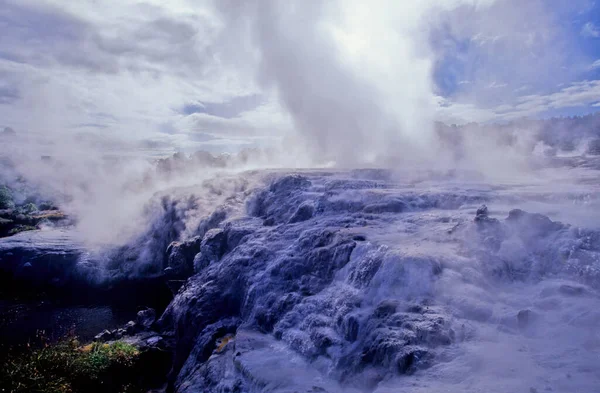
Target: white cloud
column 595, row 64
column 578, row 94
column 590, row 30
column 120, row 68
column 127, row 69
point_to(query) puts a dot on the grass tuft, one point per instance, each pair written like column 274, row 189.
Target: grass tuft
column 69, row 367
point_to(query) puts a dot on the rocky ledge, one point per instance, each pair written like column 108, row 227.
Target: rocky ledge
column 335, row 283
column 347, row 281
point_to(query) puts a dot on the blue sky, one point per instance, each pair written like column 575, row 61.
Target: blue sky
column 185, row 74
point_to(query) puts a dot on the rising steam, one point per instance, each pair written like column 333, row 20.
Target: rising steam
column 357, row 78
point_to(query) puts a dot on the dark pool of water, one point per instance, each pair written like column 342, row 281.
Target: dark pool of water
column 21, row 322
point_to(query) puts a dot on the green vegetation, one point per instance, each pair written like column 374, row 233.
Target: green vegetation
column 21, row 228
column 26, row 217
column 28, row 208
column 6, row 198
column 69, row 367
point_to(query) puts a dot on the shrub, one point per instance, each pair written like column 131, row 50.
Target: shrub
column 21, row 228
column 67, row 367
column 6, row 198
column 28, row 208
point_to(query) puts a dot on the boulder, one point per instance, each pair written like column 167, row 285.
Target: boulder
column 146, row 318
column 525, row 318
column 180, row 257
column 212, row 248
column 106, row 335
column 130, row 328
column 304, row 212
column 532, row 225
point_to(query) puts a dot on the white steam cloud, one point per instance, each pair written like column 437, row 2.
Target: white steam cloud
column 356, row 78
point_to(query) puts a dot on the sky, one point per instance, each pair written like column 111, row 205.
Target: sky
column 223, row 75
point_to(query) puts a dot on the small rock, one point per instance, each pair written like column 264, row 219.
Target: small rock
column 304, row 212
column 385, row 308
column 571, row 290
column 106, row 335
column 482, row 216
column 169, row 271
column 119, row 333
column 154, row 341
column 180, row 256
column 533, row 224
column 130, row 328
column 221, row 343
column 146, row 318
column 525, row 318
column 410, row 359
column 482, row 212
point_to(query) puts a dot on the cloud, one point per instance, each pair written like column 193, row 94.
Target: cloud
column 51, row 34
column 8, row 94
column 590, row 30
column 577, row 94
column 226, row 110
column 207, row 72
column 510, row 43
column 67, row 65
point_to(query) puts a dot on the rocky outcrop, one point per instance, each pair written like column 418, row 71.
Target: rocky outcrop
column 297, row 286
column 180, row 256
column 41, row 258
column 320, row 282
column 278, row 283
column 212, row 248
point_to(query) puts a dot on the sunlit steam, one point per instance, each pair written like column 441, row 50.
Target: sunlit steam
column 355, row 77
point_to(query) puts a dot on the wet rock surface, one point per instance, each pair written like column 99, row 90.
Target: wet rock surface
column 346, row 281
column 297, row 284
column 41, row 257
